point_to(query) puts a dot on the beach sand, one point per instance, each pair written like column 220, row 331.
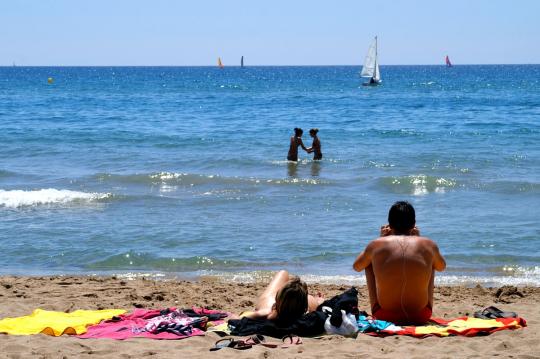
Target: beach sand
column 21, row 295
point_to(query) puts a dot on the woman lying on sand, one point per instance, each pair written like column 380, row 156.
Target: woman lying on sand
column 284, row 300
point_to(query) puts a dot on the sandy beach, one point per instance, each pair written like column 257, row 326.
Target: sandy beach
column 21, row 295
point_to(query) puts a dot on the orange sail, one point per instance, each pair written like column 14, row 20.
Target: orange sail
column 447, row 60
column 219, row 63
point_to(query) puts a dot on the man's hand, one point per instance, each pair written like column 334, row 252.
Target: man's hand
column 386, row 230
column 415, row 231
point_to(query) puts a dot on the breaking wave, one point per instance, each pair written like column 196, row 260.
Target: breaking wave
column 146, row 261
column 48, row 196
column 189, row 179
column 520, row 276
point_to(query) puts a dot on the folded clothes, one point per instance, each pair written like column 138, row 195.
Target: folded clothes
column 168, row 323
column 463, row 326
column 56, row 323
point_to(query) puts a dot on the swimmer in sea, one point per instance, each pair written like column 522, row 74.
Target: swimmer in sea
column 296, row 141
column 315, row 145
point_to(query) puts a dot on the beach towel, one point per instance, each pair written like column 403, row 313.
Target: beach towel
column 56, row 323
column 170, row 323
column 463, row 326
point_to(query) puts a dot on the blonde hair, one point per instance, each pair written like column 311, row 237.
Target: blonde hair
column 292, row 300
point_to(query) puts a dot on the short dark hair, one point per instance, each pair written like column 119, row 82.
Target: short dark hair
column 298, row 131
column 401, row 216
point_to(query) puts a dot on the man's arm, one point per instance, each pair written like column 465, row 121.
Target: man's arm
column 372, row 289
column 364, row 259
column 439, row 264
column 430, row 288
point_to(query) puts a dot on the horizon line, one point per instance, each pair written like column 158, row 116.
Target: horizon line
column 304, row 65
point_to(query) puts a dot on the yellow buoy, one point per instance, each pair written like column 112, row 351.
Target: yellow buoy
column 50, row 80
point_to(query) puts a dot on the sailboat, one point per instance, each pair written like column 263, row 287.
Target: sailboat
column 242, row 62
column 219, row 63
column 371, row 66
column 448, row 63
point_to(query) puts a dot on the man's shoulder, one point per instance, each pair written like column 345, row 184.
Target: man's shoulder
column 377, row 243
column 426, row 240
column 381, row 241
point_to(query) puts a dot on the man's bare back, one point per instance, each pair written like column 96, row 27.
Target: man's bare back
column 400, row 275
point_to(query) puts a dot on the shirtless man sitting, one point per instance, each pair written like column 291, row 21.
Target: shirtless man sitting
column 400, row 269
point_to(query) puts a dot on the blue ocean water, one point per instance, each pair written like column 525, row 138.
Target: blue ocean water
column 182, row 170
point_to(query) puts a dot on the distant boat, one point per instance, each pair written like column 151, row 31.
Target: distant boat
column 371, row 66
column 219, row 63
column 242, row 61
column 448, row 63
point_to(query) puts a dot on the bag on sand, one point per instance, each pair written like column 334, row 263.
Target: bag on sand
column 348, row 327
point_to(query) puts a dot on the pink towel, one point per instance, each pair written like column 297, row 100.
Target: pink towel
column 155, row 324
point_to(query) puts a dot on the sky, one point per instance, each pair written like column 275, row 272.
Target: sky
column 275, row 32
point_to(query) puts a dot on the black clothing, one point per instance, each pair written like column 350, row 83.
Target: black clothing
column 310, row 324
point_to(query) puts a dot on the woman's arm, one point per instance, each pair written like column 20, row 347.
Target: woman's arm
column 301, row 144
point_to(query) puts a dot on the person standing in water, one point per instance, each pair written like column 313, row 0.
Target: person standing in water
column 315, row 145
column 296, row 141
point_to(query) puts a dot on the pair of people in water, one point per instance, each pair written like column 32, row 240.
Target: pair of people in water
column 296, row 141
column 400, row 270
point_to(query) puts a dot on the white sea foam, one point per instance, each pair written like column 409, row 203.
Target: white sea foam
column 164, row 176
column 48, row 196
column 523, row 277
column 134, row 276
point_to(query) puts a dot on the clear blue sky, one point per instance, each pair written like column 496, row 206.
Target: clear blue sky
column 274, row 32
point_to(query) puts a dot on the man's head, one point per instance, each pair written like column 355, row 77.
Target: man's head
column 401, row 217
column 292, row 300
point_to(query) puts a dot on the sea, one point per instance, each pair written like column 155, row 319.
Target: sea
column 181, row 172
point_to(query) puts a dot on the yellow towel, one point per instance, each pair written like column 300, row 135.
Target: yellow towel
column 460, row 325
column 56, row 323
column 222, row 328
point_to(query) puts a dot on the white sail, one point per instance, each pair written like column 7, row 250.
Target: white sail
column 377, row 74
column 371, row 65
